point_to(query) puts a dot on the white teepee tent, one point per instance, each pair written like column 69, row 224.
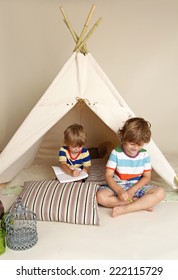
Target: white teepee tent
column 81, row 80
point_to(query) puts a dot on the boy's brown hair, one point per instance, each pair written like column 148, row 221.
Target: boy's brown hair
column 75, row 135
column 135, row 130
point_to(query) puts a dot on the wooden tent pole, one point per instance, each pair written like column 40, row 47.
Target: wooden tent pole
column 85, row 26
column 83, row 48
column 80, row 42
column 74, row 35
column 67, row 22
column 77, row 49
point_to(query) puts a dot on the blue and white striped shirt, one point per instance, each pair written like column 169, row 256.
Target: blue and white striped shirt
column 81, row 160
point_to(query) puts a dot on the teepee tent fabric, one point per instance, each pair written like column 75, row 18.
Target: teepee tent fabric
column 80, row 80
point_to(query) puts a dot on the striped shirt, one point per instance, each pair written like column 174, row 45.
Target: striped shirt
column 128, row 168
column 81, row 160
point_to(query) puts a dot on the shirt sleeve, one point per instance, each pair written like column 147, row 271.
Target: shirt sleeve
column 62, row 155
column 147, row 162
column 112, row 161
column 86, row 158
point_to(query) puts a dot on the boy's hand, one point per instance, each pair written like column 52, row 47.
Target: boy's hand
column 123, row 195
column 76, row 172
column 131, row 193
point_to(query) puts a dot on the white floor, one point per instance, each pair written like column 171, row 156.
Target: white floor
column 142, row 235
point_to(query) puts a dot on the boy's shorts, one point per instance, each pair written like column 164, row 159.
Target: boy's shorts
column 126, row 186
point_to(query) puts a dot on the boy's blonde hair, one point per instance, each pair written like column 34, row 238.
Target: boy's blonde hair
column 75, row 135
column 135, row 130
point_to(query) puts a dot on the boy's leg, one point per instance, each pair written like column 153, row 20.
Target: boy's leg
column 108, row 199
column 148, row 200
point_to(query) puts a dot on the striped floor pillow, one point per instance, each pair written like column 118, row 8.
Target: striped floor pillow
column 73, row 202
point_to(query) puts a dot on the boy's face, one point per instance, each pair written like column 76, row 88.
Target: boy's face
column 75, row 150
column 132, row 149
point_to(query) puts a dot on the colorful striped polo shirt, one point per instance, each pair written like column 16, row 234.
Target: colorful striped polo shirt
column 80, row 161
column 128, row 168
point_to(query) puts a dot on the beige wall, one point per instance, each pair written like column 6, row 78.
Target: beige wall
column 136, row 45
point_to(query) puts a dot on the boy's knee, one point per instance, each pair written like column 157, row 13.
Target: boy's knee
column 161, row 193
column 98, row 196
column 101, row 198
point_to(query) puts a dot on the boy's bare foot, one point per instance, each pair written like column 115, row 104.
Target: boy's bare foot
column 119, row 210
column 149, row 209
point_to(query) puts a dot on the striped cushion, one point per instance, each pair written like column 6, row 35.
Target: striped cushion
column 97, row 171
column 73, row 202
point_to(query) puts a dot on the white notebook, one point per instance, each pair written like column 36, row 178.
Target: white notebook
column 64, row 178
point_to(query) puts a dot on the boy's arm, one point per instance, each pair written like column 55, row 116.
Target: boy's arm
column 123, row 195
column 68, row 170
column 86, row 169
column 86, row 162
column 142, row 182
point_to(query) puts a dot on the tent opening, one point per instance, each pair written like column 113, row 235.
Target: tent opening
column 97, row 133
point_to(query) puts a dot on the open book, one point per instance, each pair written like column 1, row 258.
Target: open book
column 64, row 178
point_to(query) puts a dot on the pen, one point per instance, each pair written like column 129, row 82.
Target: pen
column 72, row 165
column 130, row 199
column 70, row 161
